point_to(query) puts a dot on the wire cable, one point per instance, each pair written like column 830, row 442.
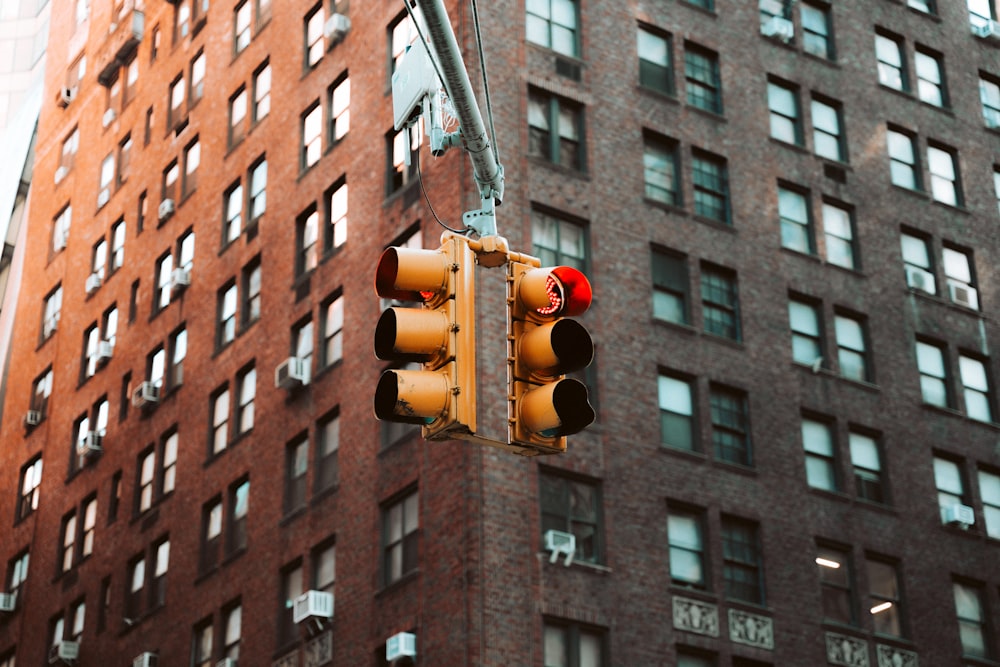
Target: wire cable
column 430, row 207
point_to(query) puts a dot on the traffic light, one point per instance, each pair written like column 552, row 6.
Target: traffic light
column 440, row 335
column 545, row 406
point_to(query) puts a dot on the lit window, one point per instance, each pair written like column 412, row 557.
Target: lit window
column 884, row 597
column 258, row 190
column 836, row 585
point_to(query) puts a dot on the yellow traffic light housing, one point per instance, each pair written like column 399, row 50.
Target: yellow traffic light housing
column 440, row 335
column 546, row 406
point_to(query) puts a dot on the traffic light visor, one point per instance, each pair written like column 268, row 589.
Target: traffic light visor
column 556, row 291
column 410, row 274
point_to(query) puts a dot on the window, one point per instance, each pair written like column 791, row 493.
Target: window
column 168, row 463
column 197, row 76
column 31, row 480
column 182, row 19
column 670, row 287
column 950, row 483
column 117, row 245
column 71, row 145
column 314, row 36
column 573, row 645
column 232, row 631
column 247, row 383
column 852, row 354
column 930, row 77
column 233, row 213
column 917, row 263
column 51, row 312
column 933, row 374
column 241, row 27
column 989, row 492
column 250, row 306
column 41, row 389
column 17, row 573
column 972, row 627
column 903, row 165
column 158, row 587
column 677, row 424
column 771, row 8
column 291, row 588
column 711, row 186
column 178, row 351
column 554, row 24
column 838, row 228
column 307, row 237
column 332, row 332
column 261, row 92
column 558, row 241
column 402, row 33
column 236, row 535
column 164, row 267
column 324, row 559
column 661, row 175
column 989, row 95
column 701, row 74
column 60, row 228
column 170, row 177
column 817, row 37
column 656, row 60
column 400, row 530
column 742, row 569
column 296, row 466
column 156, row 364
column 555, row 129
column 327, row 446
column 688, row 657
column 719, row 304
column 891, row 69
column 339, row 105
column 312, row 135
column 211, row 531
column 866, row 461
column 220, row 421
column 302, row 346
column 828, row 138
column 574, row 506
column 730, row 427
column 227, row 315
column 821, row 457
column 263, row 13
column 960, row 278
column 192, row 159
column 685, row 534
column 107, row 176
column 99, row 258
column 201, row 644
column 336, row 214
column 68, row 542
column 807, row 342
column 926, row 6
column 836, row 584
column 399, row 173
column 258, row 190
column 237, row 116
column 124, row 160
column 156, row 472
column 786, row 120
column 136, row 583
column 975, row 388
column 884, row 596
column 175, row 113
column 943, row 165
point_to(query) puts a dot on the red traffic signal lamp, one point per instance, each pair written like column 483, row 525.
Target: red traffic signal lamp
column 440, row 335
column 546, row 406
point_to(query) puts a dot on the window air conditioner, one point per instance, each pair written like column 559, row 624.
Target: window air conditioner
column 335, row 29
column 989, row 30
column 61, row 173
column 32, row 418
column 559, row 542
column 166, row 209
column 963, row 295
column 145, row 659
column 64, row 650
column 145, row 394
column 179, row 279
column 291, row 373
column 959, row 515
column 226, row 662
column 91, row 444
column 401, row 645
column 105, row 349
column 93, row 283
column 779, row 28
column 313, row 604
column 8, row 601
column 920, row 279
column 66, row 95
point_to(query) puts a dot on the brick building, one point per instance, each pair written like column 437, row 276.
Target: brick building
column 788, row 212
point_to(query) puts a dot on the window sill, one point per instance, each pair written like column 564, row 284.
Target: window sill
column 736, row 468
column 717, row 116
column 289, row 517
column 329, row 368
column 797, row 148
column 677, row 326
column 700, row 9
column 867, row 385
column 405, row 579
column 323, row 494
column 827, row 493
column 726, row 226
column 669, row 96
column 690, row 454
column 675, row 209
column 539, row 161
column 952, row 412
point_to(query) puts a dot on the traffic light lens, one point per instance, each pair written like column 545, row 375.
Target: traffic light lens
column 555, row 293
column 574, row 291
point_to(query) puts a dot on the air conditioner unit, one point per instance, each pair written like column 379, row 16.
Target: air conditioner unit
column 989, row 30
column 145, row 659
column 312, row 604
column 145, row 394
column 560, row 542
column 226, row 662
column 32, row 418
column 105, row 349
column 64, row 650
column 779, row 28
column 959, row 515
column 291, row 373
column 335, row 29
column 920, row 279
column 108, row 117
column 91, row 444
column 166, row 209
column 963, row 295
column 61, row 173
column 66, row 95
column 401, row 645
column 103, row 197
column 8, row 601
column 93, row 283
column 179, row 279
